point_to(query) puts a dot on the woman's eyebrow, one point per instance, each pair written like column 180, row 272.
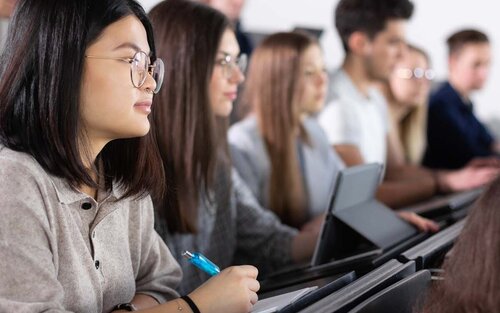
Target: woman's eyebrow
column 130, row 45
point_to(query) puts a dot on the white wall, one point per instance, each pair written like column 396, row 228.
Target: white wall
column 432, row 22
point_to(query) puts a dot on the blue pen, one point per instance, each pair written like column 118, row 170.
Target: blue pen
column 200, row 261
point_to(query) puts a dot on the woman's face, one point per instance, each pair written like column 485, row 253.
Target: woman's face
column 315, row 80
column 111, row 107
column 226, row 76
column 410, row 81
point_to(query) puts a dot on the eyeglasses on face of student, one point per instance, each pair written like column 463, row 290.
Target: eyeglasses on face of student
column 416, row 73
column 229, row 63
column 140, row 67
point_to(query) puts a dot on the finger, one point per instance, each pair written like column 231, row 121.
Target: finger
column 253, row 284
column 431, row 226
column 249, row 270
column 415, row 220
column 253, row 297
column 421, row 225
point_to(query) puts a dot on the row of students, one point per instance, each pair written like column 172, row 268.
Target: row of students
column 356, row 119
column 208, row 207
column 69, row 144
column 280, row 149
column 79, row 161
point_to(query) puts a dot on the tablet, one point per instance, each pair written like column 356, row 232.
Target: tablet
column 356, row 223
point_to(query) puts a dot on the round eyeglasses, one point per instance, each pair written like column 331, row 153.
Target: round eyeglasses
column 416, row 73
column 230, row 63
column 140, row 67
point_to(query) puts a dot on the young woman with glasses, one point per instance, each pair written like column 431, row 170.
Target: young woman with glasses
column 207, row 208
column 407, row 93
column 77, row 166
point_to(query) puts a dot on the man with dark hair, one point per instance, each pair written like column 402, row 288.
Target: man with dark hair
column 454, row 134
column 356, row 120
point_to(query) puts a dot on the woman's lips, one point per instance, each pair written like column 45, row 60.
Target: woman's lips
column 144, row 106
column 231, row 95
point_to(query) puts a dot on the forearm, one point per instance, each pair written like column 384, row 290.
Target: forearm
column 407, row 172
column 303, row 245
column 397, row 194
column 143, row 301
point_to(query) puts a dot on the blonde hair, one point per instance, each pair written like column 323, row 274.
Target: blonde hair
column 413, row 132
column 413, row 127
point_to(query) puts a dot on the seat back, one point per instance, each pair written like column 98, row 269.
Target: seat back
column 404, row 296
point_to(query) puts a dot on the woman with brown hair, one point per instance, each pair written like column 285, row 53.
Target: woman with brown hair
column 207, row 207
column 280, row 152
column 471, row 272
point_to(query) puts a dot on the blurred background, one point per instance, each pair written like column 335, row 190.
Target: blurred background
column 429, row 27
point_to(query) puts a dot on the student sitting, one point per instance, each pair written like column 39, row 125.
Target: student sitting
column 207, row 207
column 280, row 151
column 454, row 134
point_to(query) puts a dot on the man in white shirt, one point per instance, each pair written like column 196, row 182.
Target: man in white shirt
column 356, row 120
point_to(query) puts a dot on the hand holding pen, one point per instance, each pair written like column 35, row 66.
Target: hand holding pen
column 232, row 290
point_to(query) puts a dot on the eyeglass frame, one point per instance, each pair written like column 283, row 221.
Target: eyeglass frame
column 227, row 60
column 416, row 73
column 130, row 61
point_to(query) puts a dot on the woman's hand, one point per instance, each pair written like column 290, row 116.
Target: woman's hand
column 476, row 174
column 423, row 224
column 233, row 290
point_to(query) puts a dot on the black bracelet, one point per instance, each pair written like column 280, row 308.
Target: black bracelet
column 191, row 304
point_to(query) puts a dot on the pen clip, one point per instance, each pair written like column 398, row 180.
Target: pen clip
column 188, row 255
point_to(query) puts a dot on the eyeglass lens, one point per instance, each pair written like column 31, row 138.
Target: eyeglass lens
column 140, row 68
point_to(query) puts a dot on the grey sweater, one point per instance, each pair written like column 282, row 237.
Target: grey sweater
column 61, row 251
column 233, row 229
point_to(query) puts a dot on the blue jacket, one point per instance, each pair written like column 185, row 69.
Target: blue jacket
column 454, row 134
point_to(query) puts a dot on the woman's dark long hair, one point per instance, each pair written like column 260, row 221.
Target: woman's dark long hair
column 472, row 272
column 274, row 90
column 40, row 85
column 189, row 136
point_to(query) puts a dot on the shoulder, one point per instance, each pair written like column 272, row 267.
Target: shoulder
column 19, row 168
column 244, row 133
column 25, row 188
column 442, row 95
column 314, row 129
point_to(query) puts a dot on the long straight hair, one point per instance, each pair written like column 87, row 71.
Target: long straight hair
column 274, row 90
column 414, row 125
column 472, row 271
column 40, row 85
column 189, row 136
